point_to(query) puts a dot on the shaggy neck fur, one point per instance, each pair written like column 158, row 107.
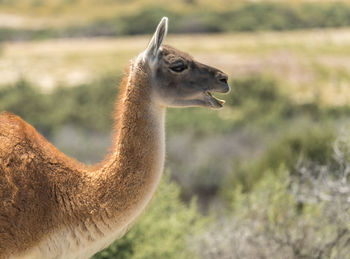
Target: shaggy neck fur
column 131, row 173
column 126, row 182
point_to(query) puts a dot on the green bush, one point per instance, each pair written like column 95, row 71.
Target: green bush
column 261, row 102
column 305, row 215
column 88, row 106
column 263, row 90
column 242, row 17
column 307, row 143
column 164, row 231
column 9, row 34
column 26, row 101
column 246, row 17
column 273, row 226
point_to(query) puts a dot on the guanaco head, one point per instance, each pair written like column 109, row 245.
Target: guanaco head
column 177, row 79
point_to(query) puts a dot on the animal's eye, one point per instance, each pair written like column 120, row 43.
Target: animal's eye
column 178, row 66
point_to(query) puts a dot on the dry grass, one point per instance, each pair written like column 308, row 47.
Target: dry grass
column 312, row 64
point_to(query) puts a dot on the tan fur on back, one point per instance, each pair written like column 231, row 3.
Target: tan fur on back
column 52, row 206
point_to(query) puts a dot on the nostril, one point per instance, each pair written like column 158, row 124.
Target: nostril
column 224, row 80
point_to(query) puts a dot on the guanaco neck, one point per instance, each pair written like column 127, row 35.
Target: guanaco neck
column 112, row 196
column 128, row 179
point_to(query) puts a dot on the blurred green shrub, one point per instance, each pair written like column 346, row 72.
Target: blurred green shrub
column 10, row 34
column 246, row 17
column 164, row 231
column 243, row 17
column 197, row 120
column 265, row 223
column 261, row 102
column 271, row 224
column 307, row 142
column 27, row 102
column 89, row 106
column 290, row 216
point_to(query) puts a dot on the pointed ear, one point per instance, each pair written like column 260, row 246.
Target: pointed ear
column 157, row 39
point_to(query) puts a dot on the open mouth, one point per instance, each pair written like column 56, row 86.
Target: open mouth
column 214, row 102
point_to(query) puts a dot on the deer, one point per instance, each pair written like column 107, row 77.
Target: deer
column 52, row 206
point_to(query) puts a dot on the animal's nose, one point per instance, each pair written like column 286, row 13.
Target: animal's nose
column 222, row 77
column 223, row 86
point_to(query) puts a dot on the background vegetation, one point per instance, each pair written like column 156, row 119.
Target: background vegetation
column 188, row 16
column 265, row 177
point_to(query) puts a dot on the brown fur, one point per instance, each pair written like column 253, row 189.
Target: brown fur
column 38, row 185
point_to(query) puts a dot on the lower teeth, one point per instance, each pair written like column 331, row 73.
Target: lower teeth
column 220, row 101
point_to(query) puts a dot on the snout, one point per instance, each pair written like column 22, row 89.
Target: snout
column 221, row 85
